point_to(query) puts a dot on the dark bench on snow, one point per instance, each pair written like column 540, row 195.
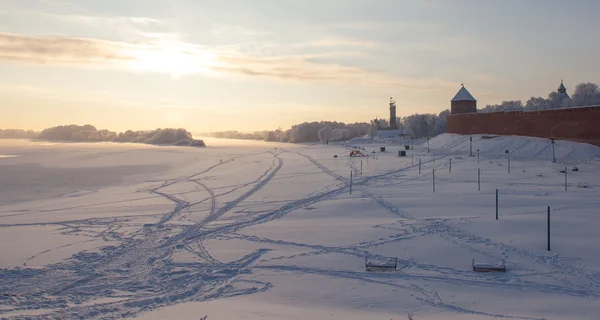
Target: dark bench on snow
column 384, row 266
column 487, row 267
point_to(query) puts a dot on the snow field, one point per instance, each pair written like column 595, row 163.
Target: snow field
column 259, row 231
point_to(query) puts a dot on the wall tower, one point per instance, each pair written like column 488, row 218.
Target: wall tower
column 463, row 102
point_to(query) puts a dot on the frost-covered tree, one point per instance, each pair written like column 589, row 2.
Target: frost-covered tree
column 505, row 106
column 538, row 103
column 325, row 134
column 586, row 94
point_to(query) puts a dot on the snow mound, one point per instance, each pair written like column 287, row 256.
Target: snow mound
column 518, row 146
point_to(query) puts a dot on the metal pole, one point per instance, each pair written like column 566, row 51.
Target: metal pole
column 433, row 180
column 450, row 168
column 470, row 146
column 350, row 181
column 427, row 144
column 553, row 153
column 496, row 204
column 477, row 156
column 478, row 179
column 361, row 167
column 419, row 165
column 565, row 178
column 509, row 163
column 548, row 228
column 367, row 159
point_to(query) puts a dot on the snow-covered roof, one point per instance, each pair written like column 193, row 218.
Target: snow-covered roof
column 463, row 95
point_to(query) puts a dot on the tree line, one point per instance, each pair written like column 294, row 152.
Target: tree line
column 89, row 133
column 585, row 94
column 302, row 133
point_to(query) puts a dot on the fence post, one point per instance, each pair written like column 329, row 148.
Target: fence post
column 478, row 179
column 565, row 178
column 548, row 228
column 477, row 156
column 450, row 169
column 433, row 180
column 419, row 165
column 350, row 181
column 553, row 153
column 496, row 204
column 509, row 163
column 361, row 167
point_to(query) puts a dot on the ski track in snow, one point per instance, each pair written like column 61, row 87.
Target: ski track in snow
column 142, row 272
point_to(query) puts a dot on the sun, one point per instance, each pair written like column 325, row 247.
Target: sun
column 173, row 60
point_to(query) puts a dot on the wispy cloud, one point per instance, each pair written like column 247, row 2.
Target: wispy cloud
column 301, row 69
column 184, row 58
column 60, row 50
column 113, row 20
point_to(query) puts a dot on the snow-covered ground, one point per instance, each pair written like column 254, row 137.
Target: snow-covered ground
column 253, row 230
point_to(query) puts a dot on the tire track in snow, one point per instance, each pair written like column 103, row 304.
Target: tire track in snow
column 469, row 242
column 454, row 234
column 431, row 298
column 189, row 234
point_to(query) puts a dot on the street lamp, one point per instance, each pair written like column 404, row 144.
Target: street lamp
column 427, row 144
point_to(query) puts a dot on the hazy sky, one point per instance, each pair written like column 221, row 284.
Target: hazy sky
column 211, row 65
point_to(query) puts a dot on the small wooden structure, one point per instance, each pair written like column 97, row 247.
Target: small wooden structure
column 487, row 267
column 385, row 266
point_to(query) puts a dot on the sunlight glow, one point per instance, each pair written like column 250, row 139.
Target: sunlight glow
column 174, row 60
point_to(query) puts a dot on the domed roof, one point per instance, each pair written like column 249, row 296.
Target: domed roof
column 463, row 95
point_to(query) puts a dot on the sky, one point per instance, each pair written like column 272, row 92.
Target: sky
column 214, row 65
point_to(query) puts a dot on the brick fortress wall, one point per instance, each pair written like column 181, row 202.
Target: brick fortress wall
column 574, row 124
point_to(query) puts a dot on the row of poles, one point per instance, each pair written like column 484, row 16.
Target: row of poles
column 450, row 171
column 478, row 178
column 479, row 187
column 497, row 200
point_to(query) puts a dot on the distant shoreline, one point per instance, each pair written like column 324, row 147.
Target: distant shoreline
column 94, row 142
column 89, row 134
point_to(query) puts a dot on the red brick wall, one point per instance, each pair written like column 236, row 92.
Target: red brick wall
column 466, row 106
column 575, row 124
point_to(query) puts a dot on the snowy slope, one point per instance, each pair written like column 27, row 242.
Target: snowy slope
column 271, row 231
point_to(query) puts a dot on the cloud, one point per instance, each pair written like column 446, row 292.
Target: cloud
column 185, row 58
column 114, row 20
column 483, row 77
column 301, row 69
column 60, row 50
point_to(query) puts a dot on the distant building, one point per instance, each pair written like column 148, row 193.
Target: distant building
column 563, row 96
column 463, row 102
column 393, row 122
